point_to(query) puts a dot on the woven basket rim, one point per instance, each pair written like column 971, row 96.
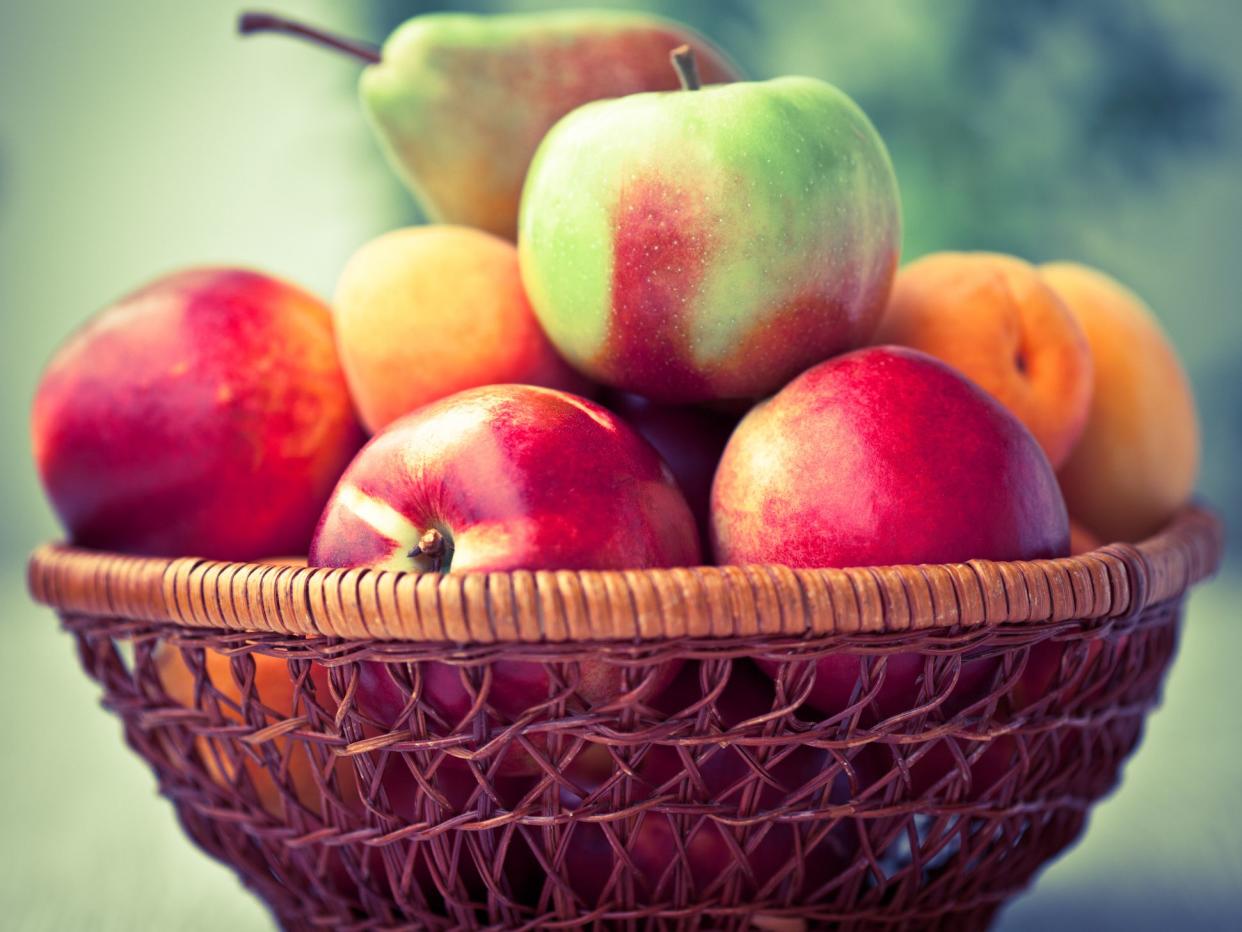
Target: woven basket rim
column 560, row 606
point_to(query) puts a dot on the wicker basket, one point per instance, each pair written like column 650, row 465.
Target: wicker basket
column 990, row 705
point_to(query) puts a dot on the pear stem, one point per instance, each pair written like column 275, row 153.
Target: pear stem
column 686, row 67
column 250, row 23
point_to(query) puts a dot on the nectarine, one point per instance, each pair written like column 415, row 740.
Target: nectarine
column 882, row 456
column 205, row 414
column 501, row 478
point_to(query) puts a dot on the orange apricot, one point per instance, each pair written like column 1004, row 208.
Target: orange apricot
column 425, row 312
column 274, row 688
column 1138, row 458
column 993, row 319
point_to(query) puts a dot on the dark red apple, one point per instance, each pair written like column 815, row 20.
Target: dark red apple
column 885, row 456
column 504, row 478
column 205, row 414
column 689, row 438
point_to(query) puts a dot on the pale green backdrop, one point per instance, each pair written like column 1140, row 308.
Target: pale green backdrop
column 136, row 137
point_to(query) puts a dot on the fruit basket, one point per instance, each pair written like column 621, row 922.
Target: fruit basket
column 989, row 705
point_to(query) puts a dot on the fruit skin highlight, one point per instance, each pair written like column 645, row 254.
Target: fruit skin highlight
column 424, row 312
column 710, row 244
column 993, row 319
column 205, row 414
column 460, row 103
column 1138, row 459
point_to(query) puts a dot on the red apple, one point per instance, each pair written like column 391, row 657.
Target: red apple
column 507, row 477
column 503, row 478
column 885, row 456
column 205, row 414
column 690, row 439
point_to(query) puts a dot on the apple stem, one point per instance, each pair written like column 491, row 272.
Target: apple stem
column 250, row 23
column 432, row 546
column 686, row 67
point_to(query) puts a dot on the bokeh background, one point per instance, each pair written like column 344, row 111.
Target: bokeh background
column 136, row 137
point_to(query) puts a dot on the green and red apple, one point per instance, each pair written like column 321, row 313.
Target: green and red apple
column 710, row 243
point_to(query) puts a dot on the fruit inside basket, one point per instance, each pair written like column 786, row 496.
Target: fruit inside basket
column 673, row 558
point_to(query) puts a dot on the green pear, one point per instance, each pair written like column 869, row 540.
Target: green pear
column 460, row 102
column 710, row 243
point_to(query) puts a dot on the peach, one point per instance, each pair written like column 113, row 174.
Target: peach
column 992, row 318
column 424, row 312
column 1138, row 458
column 274, row 688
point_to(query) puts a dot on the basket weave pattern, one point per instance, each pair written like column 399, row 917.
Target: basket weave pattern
column 668, row 806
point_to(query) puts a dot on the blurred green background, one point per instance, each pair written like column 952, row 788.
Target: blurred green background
column 136, row 137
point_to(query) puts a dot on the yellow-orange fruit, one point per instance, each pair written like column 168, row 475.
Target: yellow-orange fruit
column 274, row 686
column 424, row 312
column 1138, row 458
column 993, row 319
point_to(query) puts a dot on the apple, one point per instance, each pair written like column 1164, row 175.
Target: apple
column 689, row 439
column 507, row 477
column 503, row 478
column 885, row 456
column 710, row 243
column 205, row 414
